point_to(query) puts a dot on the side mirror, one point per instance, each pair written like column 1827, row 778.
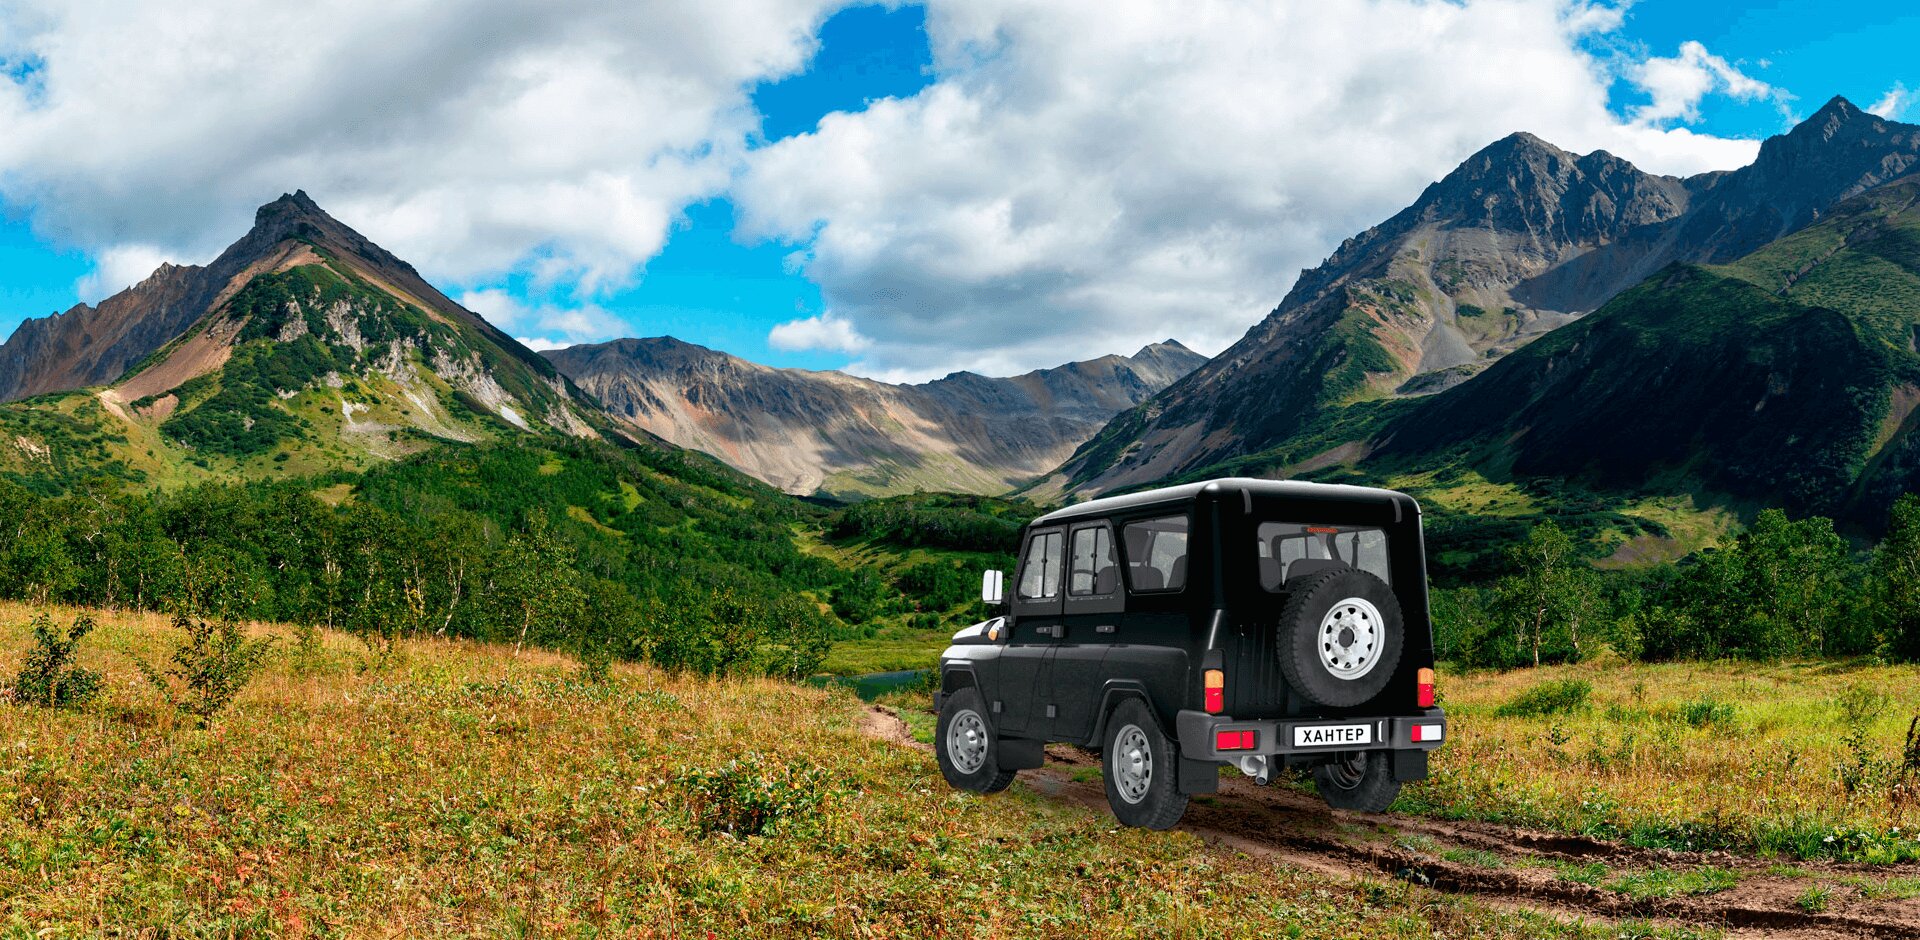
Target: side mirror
column 993, row 587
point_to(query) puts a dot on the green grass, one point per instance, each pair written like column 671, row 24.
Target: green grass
column 1815, row 899
column 458, row 789
column 1476, row 857
column 1669, row 882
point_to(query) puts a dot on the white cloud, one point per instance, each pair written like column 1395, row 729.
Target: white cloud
column 1894, row 103
column 562, row 325
column 1090, row 176
column 824, row 332
column 539, row 344
column 471, row 137
column 118, row 268
column 1678, row 84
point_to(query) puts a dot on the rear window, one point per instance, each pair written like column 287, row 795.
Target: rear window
column 1156, row 554
column 1291, row 549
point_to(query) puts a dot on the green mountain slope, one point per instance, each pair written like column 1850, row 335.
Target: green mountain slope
column 1789, row 377
column 323, row 352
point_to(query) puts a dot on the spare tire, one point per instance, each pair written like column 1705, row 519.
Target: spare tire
column 1339, row 636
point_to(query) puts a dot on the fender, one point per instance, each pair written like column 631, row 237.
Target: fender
column 953, row 678
column 1195, row 776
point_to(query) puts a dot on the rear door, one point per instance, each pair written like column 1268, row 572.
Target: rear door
column 1036, row 608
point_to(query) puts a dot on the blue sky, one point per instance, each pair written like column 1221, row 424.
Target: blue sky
column 714, row 283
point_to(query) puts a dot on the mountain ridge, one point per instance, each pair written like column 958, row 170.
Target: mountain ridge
column 826, row 431
column 1519, row 240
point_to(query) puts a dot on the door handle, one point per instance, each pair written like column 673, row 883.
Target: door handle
column 1105, row 628
column 1056, row 631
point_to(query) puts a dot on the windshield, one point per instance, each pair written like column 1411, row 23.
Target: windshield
column 1291, row 549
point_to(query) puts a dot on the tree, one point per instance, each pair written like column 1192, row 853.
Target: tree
column 1896, row 579
column 536, row 574
column 34, row 559
column 1551, row 596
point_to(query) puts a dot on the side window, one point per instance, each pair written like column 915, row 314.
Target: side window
column 1157, row 553
column 1040, row 572
column 1093, row 571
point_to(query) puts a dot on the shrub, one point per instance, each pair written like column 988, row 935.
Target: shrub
column 1553, row 697
column 49, row 676
column 1707, row 711
column 210, row 666
column 753, row 796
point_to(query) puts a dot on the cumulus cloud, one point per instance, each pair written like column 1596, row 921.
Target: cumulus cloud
column 118, row 268
column 1086, row 177
column 824, row 332
column 1678, row 84
column 471, row 137
column 543, row 325
column 1894, row 103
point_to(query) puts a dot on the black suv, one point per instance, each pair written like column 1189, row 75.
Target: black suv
column 1243, row 622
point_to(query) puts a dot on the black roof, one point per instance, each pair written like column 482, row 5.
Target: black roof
column 1188, row 492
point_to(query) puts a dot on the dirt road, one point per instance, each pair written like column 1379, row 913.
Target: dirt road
column 1501, row 864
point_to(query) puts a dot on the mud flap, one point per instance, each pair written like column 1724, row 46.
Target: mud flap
column 1020, row 753
column 1199, row 776
column 1409, row 765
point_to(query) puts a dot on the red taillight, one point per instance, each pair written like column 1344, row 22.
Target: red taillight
column 1426, row 688
column 1216, row 691
column 1233, row 740
column 1425, row 733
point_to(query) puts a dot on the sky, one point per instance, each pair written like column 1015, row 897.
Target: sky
column 901, row 191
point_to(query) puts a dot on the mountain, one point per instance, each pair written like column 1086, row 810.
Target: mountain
column 1787, row 377
column 1518, row 241
column 836, row 434
column 307, row 347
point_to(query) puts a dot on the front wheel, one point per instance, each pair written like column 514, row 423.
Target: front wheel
column 1361, row 781
column 964, row 742
column 1141, row 766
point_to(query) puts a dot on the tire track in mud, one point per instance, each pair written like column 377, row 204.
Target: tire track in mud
column 1295, row 828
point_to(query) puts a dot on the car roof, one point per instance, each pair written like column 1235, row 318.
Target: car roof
column 1186, row 493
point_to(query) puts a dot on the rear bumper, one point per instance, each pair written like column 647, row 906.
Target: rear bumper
column 1200, row 734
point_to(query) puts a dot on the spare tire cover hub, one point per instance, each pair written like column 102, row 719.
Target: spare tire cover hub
column 1350, row 638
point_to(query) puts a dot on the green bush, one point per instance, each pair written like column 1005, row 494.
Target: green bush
column 49, row 676
column 1553, row 697
column 1707, row 711
column 210, row 666
column 752, row 796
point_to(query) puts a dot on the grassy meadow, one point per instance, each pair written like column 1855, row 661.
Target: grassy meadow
column 1799, row 759
column 455, row 788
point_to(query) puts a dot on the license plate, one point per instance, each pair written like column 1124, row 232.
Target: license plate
column 1332, row 735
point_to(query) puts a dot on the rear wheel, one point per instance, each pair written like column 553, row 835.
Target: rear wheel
column 1361, row 781
column 1141, row 766
column 965, row 746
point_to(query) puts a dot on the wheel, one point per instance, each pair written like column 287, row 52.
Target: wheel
column 965, row 745
column 1141, row 768
column 1359, row 780
column 1340, row 636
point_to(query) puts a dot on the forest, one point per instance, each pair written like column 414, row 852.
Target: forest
column 647, row 554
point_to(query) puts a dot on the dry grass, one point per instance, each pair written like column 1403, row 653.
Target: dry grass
column 459, row 790
column 1723, row 755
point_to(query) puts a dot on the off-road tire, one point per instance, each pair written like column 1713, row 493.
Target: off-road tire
column 960, row 708
column 1311, row 598
column 1362, row 782
column 1158, row 804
